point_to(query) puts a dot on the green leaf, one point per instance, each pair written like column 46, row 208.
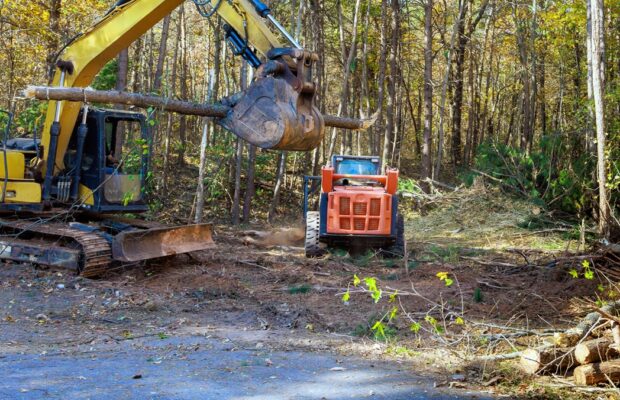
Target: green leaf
column 379, row 329
column 589, row 274
column 449, row 282
column 415, row 327
column 393, row 297
column 346, row 296
column 393, row 313
column 573, row 272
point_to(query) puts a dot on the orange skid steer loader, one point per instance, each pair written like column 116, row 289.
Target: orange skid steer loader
column 358, row 208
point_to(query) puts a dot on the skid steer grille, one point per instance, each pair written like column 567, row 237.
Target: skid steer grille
column 359, row 208
column 375, row 207
column 359, row 213
column 345, row 206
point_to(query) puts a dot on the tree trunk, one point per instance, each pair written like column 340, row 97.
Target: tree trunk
column 249, row 186
column 53, row 41
column 200, row 188
column 159, row 70
column 457, row 100
column 427, row 146
column 347, row 59
column 280, row 171
column 121, row 85
column 173, row 77
column 243, row 76
column 183, row 81
column 445, row 83
column 390, row 132
column 383, row 48
column 597, row 38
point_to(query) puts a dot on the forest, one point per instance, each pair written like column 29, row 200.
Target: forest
column 502, row 118
column 462, row 88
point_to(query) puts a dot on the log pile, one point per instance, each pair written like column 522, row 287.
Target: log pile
column 593, row 360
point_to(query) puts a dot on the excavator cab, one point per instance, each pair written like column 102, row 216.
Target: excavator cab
column 113, row 165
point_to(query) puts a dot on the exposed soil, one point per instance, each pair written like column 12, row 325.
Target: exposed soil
column 243, row 288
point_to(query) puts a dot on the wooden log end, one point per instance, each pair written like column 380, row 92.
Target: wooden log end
column 592, row 374
column 595, row 350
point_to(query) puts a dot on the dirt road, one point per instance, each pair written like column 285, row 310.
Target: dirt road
column 194, row 367
column 65, row 337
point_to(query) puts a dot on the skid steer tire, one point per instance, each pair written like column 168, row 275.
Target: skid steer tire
column 397, row 249
column 312, row 245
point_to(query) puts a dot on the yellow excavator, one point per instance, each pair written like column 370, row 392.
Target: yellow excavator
column 63, row 196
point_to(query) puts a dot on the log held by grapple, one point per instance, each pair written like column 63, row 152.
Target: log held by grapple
column 166, row 104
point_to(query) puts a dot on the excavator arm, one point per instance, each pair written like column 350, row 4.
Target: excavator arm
column 276, row 111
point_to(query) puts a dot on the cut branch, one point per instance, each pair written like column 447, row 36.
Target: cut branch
column 166, row 104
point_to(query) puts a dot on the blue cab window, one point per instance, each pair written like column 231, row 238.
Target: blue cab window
column 356, row 167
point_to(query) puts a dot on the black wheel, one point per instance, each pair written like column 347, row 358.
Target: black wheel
column 397, row 249
column 312, row 245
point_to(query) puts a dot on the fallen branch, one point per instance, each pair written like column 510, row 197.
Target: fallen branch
column 574, row 335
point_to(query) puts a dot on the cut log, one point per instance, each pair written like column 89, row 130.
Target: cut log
column 572, row 336
column 547, row 360
column 592, row 374
column 166, row 104
column 595, row 350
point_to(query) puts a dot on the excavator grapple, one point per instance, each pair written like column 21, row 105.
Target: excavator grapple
column 277, row 111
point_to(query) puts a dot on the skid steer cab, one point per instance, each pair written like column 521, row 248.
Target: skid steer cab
column 358, row 208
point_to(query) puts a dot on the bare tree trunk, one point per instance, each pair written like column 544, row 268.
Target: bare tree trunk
column 390, row 136
column 444, row 85
column 173, row 77
column 121, row 85
column 159, row 70
column 597, row 38
column 243, row 75
column 183, row 81
column 427, row 146
column 249, row 186
column 457, row 100
column 200, row 189
column 280, row 171
column 53, row 41
column 383, row 48
column 208, row 126
column 347, row 59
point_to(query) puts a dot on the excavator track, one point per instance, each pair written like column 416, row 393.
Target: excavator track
column 95, row 251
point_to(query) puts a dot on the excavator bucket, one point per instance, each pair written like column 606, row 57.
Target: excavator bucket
column 138, row 245
column 277, row 111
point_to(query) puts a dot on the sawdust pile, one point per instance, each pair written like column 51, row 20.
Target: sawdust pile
column 276, row 237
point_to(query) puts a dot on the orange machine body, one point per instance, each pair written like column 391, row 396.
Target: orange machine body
column 359, row 210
